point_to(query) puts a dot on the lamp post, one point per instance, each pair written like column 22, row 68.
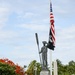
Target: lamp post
column 24, row 68
column 35, row 69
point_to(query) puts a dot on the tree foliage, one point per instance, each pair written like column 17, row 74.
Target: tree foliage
column 32, row 67
column 7, row 67
column 68, row 69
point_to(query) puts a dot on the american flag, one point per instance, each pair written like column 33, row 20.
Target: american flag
column 51, row 42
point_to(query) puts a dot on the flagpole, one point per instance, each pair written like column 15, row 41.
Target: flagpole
column 55, row 68
column 50, row 62
column 50, row 59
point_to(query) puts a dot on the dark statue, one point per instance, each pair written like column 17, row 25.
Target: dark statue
column 43, row 52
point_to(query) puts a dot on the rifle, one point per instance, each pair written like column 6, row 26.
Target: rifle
column 37, row 41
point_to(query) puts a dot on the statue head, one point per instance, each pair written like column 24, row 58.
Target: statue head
column 44, row 43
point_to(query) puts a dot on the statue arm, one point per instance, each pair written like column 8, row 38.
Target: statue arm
column 40, row 51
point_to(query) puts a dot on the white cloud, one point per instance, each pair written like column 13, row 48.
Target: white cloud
column 7, row 34
column 34, row 27
column 67, row 33
column 64, row 8
column 65, row 42
column 60, row 10
column 27, row 15
column 4, row 12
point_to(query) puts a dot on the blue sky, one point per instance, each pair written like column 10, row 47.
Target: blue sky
column 21, row 19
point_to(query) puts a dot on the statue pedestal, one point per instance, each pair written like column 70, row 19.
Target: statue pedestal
column 44, row 73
